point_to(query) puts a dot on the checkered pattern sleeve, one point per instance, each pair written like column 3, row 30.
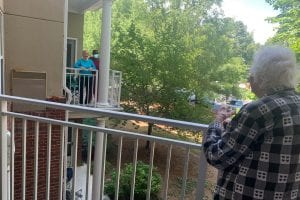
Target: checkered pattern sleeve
column 224, row 148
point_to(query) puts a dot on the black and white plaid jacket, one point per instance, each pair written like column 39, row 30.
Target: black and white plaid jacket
column 259, row 152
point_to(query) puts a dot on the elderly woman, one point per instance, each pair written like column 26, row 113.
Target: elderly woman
column 258, row 154
column 86, row 81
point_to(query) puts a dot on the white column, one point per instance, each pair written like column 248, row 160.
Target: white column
column 66, row 21
column 99, row 162
column 100, row 146
column 105, row 53
column 66, row 8
column 3, row 153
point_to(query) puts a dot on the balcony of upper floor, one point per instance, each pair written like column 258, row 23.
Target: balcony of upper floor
column 84, row 87
column 41, row 72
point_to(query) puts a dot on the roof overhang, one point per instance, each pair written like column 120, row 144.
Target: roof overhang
column 80, row 6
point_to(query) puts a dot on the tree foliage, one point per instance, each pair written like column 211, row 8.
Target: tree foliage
column 166, row 51
column 288, row 21
column 92, row 31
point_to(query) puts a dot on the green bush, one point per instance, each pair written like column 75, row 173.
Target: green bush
column 142, row 172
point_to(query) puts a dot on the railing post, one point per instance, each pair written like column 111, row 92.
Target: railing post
column 201, row 176
column 119, row 89
column 3, row 153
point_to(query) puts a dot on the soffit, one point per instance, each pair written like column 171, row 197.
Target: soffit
column 80, row 6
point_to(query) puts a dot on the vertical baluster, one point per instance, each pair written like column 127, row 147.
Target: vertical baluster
column 112, row 86
column 79, row 86
column 136, row 147
column 103, row 165
column 70, row 77
column 167, row 173
column 49, row 133
column 89, row 158
column 93, row 88
column 12, row 159
column 84, row 87
column 36, row 159
column 118, row 168
column 201, row 176
column 88, row 90
column 109, row 87
column 96, row 88
column 74, row 159
column 61, row 162
column 185, row 173
column 119, row 90
column 65, row 158
column 3, row 153
column 150, row 170
column 24, row 126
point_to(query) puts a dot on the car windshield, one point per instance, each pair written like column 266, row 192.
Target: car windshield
column 236, row 102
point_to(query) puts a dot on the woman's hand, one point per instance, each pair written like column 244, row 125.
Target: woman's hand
column 224, row 113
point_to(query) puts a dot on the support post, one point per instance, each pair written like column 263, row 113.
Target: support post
column 99, row 162
column 3, row 153
column 100, row 146
column 105, row 53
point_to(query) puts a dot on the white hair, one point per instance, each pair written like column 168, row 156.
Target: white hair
column 273, row 67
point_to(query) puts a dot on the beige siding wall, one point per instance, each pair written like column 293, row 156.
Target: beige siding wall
column 75, row 30
column 34, row 45
column 1, row 5
column 41, row 9
column 33, row 36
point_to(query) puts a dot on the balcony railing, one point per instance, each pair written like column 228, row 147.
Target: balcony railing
column 29, row 147
column 84, row 87
column 114, row 91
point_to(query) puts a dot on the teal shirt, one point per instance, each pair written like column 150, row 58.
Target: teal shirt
column 86, row 64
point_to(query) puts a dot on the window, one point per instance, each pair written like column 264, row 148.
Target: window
column 71, row 51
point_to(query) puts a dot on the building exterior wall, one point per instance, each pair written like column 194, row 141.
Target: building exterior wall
column 33, row 38
column 75, row 30
column 42, row 156
column 46, row 9
column 1, row 6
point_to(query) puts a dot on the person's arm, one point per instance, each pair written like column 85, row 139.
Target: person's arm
column 77, row 64
column 92, row 65
column 224, row 148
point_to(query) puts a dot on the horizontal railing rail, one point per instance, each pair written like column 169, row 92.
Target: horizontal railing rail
column 105, row 130
column 108, row 113
column 59, row 127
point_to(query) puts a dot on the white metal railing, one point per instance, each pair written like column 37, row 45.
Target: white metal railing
column 84, row 87
column 114, row 90
column 8, row 119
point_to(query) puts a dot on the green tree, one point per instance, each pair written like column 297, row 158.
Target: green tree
column 152, row 46
column 92, row 30
column 166, row 51
column 223, row 65
column 288, row 21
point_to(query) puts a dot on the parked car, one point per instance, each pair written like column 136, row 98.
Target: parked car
column 214, row 105
column 236, row 103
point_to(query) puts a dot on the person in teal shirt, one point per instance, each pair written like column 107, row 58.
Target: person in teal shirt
column 86, row 67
